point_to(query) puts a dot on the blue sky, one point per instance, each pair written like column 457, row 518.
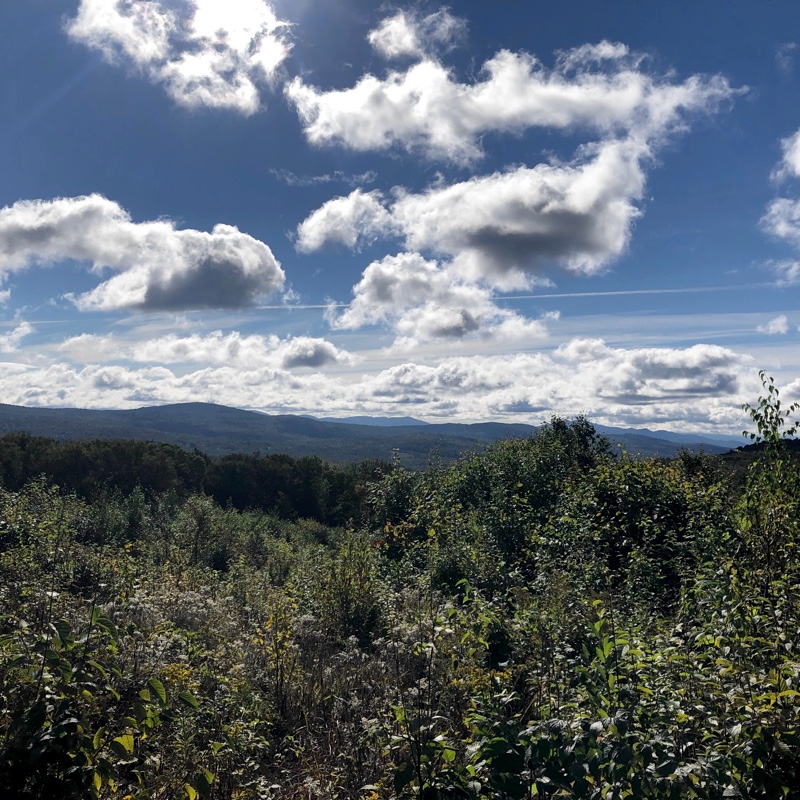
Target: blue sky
column 482, row 211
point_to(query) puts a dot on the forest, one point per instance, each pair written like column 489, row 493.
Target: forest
column 548, row 618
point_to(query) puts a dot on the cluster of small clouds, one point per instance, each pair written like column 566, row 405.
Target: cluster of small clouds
column 205, row 53
column 425, row 300
column 497, row 228
column 215, row 349
column 498, row 231
column 695, row 387
column 158, row 266
column 782, row 217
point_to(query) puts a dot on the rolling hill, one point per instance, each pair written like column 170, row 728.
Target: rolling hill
column 217, row 430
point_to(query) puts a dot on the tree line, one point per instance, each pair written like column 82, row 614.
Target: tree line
column 292, row 488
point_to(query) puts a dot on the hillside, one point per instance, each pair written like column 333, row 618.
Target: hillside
column 218, row 430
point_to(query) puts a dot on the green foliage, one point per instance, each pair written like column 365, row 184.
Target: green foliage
column 768, row 509
column 539, row 620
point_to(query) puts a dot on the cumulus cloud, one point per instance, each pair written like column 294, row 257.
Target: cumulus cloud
column 215, row 349
column 9, row 342
column 783, row 219
column 204, row 52
column 358, row 217
column 407, row 34
column 778, row 325
column 652, row 375
column 159, row 266
column 576, row 213
column 499, row 227
column 599, row 87
column 424, row 300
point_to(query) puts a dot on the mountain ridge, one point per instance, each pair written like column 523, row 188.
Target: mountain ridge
column 217, row 430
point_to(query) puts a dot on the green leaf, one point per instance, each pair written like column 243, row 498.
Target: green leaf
column 158, row 690
column 101, row 668
column 122, row 746
column 98, row 738
column 189, row 699
column 402, row 777
column 202, row 782
column 63, row 628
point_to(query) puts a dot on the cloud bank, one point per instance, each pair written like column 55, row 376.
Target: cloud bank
column 683, row 388
column 215, row 349
column 159, row 266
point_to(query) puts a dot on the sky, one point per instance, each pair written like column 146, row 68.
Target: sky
column 483, row 211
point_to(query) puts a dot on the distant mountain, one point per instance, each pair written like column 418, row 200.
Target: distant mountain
column 217, row 430
column 714, row 440
column 378, row 422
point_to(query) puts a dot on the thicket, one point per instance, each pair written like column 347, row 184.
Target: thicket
column 545, row 619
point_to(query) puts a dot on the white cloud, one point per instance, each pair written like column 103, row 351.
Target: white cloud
column 500, row 227
column 9, row 342
column 204, row 52
column 598, row 87
column 345, row 220
column 782, row 217
column 396, row 36
column 778, row 325
column 784, row 56
column 782, row 220
column 338, row 176
column 426, row 301
column 305, row 351
column 406, row 34
column 5, row 296
column 215, row 349
column 159, row 266
column 577, row 214
column 655, row 375
column 789, row 166
column 788, row 272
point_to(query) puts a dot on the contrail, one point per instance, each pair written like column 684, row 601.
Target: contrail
column 559, row 296
column 620, row 292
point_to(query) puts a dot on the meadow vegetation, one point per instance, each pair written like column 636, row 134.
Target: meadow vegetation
column 548, row 618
